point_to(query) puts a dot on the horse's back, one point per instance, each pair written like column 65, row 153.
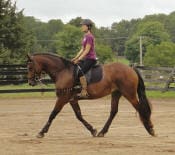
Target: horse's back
column 118, row 67
column 120, row 72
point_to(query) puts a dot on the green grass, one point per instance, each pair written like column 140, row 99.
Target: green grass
column 123, row 60
column 150, row 94
column 26, row 95
column 159, row 94
column 25, row 86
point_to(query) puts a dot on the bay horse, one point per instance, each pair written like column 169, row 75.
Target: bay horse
column 118, row 80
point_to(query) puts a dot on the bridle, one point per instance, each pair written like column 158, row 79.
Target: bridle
column 35, row 77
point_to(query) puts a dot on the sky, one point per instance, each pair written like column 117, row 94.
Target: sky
column 101, row 12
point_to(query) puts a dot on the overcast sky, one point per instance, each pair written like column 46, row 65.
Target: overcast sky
column 102, row 12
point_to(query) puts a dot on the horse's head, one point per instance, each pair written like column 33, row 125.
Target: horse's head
column 34, row 71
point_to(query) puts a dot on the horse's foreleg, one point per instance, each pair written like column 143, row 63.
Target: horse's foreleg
column 77, row 110
column 114, row 109
column 58, row 106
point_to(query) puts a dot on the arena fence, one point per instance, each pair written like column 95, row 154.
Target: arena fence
column 156, row 78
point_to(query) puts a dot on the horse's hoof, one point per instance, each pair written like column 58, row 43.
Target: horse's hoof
column 40, row 135
column 100, row 135
column 152, row 132
column 94, row 133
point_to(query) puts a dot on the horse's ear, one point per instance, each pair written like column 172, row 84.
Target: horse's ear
column 29, row 58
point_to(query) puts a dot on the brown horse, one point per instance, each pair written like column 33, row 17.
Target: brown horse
column 118, row 80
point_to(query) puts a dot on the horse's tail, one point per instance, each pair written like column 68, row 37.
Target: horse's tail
column 144, row 104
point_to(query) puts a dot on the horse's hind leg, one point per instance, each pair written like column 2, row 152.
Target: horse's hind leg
column 114, row 109
column 77, row 110
column 144, row 113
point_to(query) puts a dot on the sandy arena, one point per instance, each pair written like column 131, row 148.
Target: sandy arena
column 21, row 120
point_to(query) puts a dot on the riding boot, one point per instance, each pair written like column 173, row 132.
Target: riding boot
column 83, row 82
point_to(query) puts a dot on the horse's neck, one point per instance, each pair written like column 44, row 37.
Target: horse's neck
column 54, row 69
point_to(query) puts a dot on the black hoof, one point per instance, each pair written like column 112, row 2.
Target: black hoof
column 40, row 135
column 100, row 135
column 94, row 133
column 152, row 132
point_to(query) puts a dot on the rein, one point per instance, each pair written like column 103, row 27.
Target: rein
column 38, row 78
column 60, row 92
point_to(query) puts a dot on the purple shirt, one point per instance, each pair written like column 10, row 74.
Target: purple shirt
column 89, row 39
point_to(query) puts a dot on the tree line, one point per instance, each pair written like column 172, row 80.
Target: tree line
column 21, row 34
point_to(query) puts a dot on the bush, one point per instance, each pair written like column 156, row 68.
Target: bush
column 160, row 55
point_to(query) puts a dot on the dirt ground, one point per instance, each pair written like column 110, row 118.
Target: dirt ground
column 21, row 119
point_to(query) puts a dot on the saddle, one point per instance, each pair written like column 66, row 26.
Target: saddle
column 92, row 76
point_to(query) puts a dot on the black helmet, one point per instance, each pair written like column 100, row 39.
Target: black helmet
column 87, row 22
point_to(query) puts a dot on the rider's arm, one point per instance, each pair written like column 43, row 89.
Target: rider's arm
column 78, row 54
column 85, row 52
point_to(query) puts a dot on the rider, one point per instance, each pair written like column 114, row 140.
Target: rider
column 86, row 57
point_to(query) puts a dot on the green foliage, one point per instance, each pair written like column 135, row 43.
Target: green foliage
column 121, row 32
column 75, row 22
column 155, row 17
column 106, row 37
column 104, row 53
column 20, row 35
column 15, row 39
column 68, row 41
column 123, row 60
column 132, row 49
column 170, row 25
column 43, row 33
column 160, row 95
column 4, row 55
column 152, row 33
column 160, row 55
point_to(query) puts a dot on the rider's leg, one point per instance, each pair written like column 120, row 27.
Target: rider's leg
column 83, row 82
column 85, row 65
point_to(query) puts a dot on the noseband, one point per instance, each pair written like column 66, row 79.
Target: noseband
column 36, row 77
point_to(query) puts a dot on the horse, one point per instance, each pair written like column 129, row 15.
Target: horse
column 117, row 80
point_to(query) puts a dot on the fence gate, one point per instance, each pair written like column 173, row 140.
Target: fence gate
column 158, row 78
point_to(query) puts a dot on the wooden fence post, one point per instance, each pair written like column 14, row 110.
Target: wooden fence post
column 169, row 80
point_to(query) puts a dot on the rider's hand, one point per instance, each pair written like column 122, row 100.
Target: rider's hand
column 73, row 59
column 76, row 61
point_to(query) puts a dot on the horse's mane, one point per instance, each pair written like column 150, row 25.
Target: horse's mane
column 66, row 62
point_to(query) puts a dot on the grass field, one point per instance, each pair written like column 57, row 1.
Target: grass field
column 123, row 60
column 152, row 94
column 27, row 95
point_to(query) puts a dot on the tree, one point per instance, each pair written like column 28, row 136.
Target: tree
column 75, row 22
column 15, row 39
column 43, row 33
column 68, row 41
column 121, row 32
column 160, row 55
column 155, row 18
column 152, row 33
column 104, row 36
column 104, row 53
column 53, row 27
column 170, row 26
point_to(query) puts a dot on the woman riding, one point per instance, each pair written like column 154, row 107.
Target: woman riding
column 86, row 57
